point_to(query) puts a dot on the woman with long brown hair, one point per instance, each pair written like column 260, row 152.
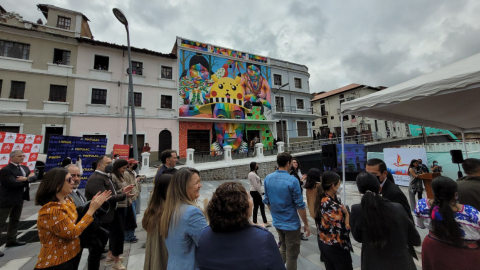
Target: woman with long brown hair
column 116, row 237
column 182, row 221
column 156, row 254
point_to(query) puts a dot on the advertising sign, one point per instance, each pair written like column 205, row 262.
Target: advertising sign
column 121, row 150
column 398, row 161
column 29, row 144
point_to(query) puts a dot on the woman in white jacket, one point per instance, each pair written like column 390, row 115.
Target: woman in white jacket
column 256, row 193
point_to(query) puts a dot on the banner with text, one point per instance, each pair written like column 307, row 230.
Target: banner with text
column 121, row 150
column 398, row 160
column 88, row 149
column 29, row 144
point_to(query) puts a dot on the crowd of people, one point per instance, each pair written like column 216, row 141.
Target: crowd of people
column 226, row 233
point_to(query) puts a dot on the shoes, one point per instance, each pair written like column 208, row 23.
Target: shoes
column 110, row 260
column 134, row 240
column 1, row 254
column 15, row 244
column 267, row 224
column 303, row 237
column 118, row 266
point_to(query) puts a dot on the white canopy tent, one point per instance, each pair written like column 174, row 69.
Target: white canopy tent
column 447, row 98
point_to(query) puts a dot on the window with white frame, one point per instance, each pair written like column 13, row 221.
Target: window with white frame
column 166, row 102
column 63, row 22
column 137, row 68
column 300, row 104
column 17, row 91
column 324, row 121
column 61, row 57
column 302, row 128
column 279, row 104
column 277, row 79
column 58, row 93
column 137, row 99
column 166, row 73
column 99, row 96
column 14, row 49
column 298, row 83
column 101, row 62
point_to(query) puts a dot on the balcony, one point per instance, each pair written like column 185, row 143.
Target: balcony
column 13, row 104
column 294, row 111
column 60, row 69
column 55, row 106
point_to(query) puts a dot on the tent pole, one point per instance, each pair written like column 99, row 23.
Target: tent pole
column 464, row 145
column 343, row 156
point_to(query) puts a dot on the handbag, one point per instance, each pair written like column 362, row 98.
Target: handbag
column 94, row 234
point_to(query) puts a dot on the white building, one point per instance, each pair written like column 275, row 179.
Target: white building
column 327, row 105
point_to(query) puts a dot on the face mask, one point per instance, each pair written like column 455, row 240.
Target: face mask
column 135, row 167
column 339, row 190
column 435, row 164
column 109, row 168
column 419, row 163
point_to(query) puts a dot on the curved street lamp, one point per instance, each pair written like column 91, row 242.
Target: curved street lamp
column 121, row 18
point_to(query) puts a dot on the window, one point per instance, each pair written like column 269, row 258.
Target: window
column 18, row 90
column 99, row 96
column 100, row 62
column 324, row 121
column 58, row 93
column 313, row 123
column 137, row 99
column 376, row 126
column 342, row 96
column 279, row 104
column 331, row 118
column 302, row 129
column 277, row 79
column 14, row 50
column 345, row 118
column 322, row 101
column 61, row 57
column 63, row 22
column 300, row 104
column 298, row 83
column 353, row 117
column 166, row 73
column 166, row 102
column 137, row 68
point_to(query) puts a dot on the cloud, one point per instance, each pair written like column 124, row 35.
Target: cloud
column 373, row 42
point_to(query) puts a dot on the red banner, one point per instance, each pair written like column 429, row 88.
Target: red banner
column 121, row 150
column 29, row 144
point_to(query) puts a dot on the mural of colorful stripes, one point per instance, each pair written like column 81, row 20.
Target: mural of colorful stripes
column 227, row 52
column 194, row 45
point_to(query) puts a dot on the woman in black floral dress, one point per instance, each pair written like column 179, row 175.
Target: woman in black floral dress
column 332, row 220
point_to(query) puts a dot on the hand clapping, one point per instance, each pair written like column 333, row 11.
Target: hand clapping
column 99, row 199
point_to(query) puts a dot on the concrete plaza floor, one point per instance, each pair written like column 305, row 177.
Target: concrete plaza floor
column 24, row 258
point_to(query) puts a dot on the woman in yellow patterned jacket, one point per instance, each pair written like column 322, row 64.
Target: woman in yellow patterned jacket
column 57, row 224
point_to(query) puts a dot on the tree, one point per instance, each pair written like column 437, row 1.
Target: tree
column 184, row 55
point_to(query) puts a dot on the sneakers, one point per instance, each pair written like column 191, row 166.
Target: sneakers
column 118, row 266
column 303, row 237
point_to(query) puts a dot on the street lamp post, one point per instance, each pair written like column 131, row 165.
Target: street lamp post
column 281, row 113
column 121, row 17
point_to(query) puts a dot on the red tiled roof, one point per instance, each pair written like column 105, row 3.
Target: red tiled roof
column 337, row 91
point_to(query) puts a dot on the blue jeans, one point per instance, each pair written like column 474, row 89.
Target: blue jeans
column 130, row 234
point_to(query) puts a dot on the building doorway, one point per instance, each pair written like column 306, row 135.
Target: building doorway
column 49, row 131
column 164, row 141
column 140, row 142
column 11, row 129
column 198, row 140
column 282, row 131
column 251, row 134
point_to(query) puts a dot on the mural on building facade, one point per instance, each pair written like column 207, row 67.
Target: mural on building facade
column 215, row 87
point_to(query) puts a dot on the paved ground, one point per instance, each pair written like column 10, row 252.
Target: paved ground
column 24, row 258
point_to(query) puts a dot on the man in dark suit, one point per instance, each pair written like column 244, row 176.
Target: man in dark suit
column 389, row 190
column 100, row 181
column 14, row 189
column 169, row 159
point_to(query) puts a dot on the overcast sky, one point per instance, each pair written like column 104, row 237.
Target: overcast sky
column 372, row 42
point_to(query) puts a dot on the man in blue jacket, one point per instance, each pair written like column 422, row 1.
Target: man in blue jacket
column 285, row 201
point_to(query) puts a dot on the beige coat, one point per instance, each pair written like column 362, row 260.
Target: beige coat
column 130, row 179
column 119, row 185
column 156, row 254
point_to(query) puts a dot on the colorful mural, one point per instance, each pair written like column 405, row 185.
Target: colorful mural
column 211, row 86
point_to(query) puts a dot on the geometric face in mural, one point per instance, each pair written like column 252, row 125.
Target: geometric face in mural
column 228, row 133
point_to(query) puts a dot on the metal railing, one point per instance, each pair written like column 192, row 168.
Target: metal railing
column 208, row 156
column 293, row 109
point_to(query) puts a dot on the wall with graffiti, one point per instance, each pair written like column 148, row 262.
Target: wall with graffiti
column 212, row 86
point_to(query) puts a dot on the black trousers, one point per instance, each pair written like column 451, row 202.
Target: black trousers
column 13, row 213
column 257, row 202
column 68, row 265
column 95, row 252
column 335, row 258
column 117, row 232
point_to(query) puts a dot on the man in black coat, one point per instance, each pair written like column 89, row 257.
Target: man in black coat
column 169, row 159
column 389, row 190
column 14, row 189
column 100, row 181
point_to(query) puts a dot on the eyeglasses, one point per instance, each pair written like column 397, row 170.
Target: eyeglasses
column 69, row 180
column 76, row 175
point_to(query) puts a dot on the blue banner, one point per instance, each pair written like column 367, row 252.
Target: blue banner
column 88, row 149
